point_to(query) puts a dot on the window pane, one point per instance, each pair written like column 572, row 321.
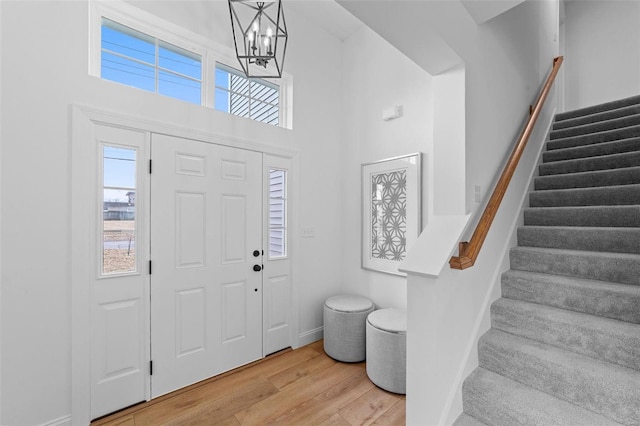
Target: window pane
column 265, row 113
column 264, row 93
column 277, row 213
column 127, row 71
column 119, row 210
column 119, row 167
column 222, row 100
column 277, row 243
column 239, row 84
column 179, row 87
column 136, row 59
column 222, row 79
column 239, row 105
column 125, row 41
column 253, row 98
column 180, row 61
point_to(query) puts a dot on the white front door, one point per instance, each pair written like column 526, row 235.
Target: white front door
column 206, row 286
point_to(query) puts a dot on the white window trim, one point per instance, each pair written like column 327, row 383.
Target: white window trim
column 152, row 25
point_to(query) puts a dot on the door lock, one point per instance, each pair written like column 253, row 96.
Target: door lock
column 257, row 268
column 256, row 253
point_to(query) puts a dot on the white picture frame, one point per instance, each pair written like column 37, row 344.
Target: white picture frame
column 391, row 211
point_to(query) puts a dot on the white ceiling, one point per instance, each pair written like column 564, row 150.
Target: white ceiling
column 327, row 14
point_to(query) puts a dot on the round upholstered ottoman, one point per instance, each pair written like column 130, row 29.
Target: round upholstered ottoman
column 344, row 327
column 387, row 349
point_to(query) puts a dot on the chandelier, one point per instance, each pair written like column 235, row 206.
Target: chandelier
column 260, row 36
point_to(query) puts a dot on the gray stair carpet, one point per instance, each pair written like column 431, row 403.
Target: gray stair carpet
column 564, row 343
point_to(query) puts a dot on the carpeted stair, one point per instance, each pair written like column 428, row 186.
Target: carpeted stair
column 564, row 347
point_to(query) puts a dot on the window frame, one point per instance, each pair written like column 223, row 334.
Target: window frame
column 175, row 35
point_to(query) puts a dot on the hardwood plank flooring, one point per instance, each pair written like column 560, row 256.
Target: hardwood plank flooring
column 294, row 387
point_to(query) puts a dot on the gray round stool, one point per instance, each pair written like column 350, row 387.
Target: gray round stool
column 387, row 349
column 344, row 327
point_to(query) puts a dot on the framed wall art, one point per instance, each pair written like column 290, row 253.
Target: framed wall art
column 391, row 211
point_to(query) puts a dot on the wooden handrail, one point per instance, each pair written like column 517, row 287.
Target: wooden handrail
column 468, row 251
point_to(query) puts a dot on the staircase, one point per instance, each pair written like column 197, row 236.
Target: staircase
column 564, row 347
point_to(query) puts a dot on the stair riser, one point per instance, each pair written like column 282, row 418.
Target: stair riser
column 600, row 338
column 600, row 196
column 499, row 401
column 595, row 109
column 593, row 118
column 618, row 216
column 594, row 385
column 592, row 138
column 595, row 150
column 607, row 300
column 614, row 240
column 615, row 177
column 603, row 126
column 617, row 268
column 607, row 162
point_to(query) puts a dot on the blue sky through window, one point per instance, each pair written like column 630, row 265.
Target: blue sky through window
column 136, row 59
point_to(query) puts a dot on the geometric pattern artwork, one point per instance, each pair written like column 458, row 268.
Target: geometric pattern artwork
column 389, row 215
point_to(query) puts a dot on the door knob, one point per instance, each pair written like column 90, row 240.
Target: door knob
column 257, row 268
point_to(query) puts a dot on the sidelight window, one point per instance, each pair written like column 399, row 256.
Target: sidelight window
column 119, row 210
column 277, row 213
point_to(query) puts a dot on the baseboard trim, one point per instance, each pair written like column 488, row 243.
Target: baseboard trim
column 311, row 336
column 62, row 421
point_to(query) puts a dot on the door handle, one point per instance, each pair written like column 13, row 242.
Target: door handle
column 257, row 268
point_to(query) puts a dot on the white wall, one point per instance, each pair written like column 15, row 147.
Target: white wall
column 44, row 72
column 377, row 76
column 603, row 51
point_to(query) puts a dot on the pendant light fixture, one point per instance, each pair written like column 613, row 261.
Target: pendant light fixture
column 260, row 36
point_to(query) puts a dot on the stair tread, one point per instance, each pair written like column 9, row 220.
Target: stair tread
column 598, row 126
column 587, row 238
column 602, row 298
column 500, row 401
column 592, row 150
column 595, row 137
column 622, row 268
column 598, row 108
column 467, row 420
column 589, row 196
column 589, row 179
column 599, row 386
column 598, row 116
column 602, row 338
column 600, row 162
column 619, row 215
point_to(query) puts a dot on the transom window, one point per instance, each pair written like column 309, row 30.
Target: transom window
column 136, row 59
column 252, row 98
column 160, row 57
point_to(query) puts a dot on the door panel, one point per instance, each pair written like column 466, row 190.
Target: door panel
column 119, row 316
column 206, row 302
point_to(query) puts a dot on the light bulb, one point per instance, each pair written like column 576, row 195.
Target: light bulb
column 255, row 26
column 269, row 32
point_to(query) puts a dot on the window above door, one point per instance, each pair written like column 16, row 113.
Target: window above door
column 135, row 48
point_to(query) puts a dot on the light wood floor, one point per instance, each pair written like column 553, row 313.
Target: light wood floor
column 300, row 387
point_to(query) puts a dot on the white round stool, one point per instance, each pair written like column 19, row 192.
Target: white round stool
column 344, row 327
column 387, row 349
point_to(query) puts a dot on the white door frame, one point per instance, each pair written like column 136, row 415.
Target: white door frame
column 83, row 202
